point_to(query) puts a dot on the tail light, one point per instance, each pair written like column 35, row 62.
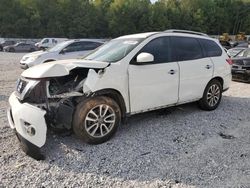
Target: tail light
column 229, row 61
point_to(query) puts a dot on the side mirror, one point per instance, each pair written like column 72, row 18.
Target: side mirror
column 144, row 58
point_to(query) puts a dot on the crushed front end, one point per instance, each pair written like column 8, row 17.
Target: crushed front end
column 41, row 103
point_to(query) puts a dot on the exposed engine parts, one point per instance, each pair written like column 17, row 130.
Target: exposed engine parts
column 56, row 95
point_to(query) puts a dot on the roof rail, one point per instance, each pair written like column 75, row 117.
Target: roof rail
column 185, row 31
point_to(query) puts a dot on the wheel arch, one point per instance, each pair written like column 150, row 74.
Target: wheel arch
column 220, row 79
column 48, row 60
column 116, row 96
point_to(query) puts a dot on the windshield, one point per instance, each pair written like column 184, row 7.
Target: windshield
column 114, row 50
column 59, row 46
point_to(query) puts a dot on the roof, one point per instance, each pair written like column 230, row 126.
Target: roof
column 170, row 32
column 139, row 35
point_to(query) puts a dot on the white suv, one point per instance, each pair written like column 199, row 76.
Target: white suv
column 69, row 49
column 128, row 75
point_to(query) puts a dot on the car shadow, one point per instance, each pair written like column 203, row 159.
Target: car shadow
column 163, row 145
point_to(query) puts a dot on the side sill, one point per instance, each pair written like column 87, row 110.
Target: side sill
column 161, row 107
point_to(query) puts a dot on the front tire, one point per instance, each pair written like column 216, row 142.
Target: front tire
column 211, row 96
column 96, row 119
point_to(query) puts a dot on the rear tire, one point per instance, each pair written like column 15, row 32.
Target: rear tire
column 96, row 119
column 211, row 96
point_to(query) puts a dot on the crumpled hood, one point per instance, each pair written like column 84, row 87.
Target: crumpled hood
column 61, row 68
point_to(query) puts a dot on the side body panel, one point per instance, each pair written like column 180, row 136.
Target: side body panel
column 152, row 86
column 222, row 69
column 194, row 76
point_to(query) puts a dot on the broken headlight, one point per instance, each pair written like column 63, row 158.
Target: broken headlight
column 31, row 91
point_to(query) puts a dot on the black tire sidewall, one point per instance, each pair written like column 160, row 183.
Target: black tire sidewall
column 81, row 112
column 203, row 103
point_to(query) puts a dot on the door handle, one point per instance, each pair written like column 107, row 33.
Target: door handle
column 208, row 66
column 171, row 72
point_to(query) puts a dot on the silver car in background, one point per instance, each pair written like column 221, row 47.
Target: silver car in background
column 70, row 49
column 20, row 47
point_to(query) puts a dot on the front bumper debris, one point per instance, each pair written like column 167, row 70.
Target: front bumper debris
column 29, row 123
column 29, row 148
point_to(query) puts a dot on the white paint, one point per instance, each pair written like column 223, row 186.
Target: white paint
column 152, row 85
column 28, row 113
column 60, row 68
column 144, row 58
column 194, row 77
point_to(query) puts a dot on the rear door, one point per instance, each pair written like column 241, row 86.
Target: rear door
column 196, row 70
column 154, row 84
column 19, row 47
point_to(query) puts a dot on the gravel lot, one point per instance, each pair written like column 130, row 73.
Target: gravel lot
column 175, row 147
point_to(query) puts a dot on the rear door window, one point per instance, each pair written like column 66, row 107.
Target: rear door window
column 211, row 48
column 186, row 48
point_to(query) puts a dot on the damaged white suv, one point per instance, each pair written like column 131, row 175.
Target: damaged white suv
column 128, row 75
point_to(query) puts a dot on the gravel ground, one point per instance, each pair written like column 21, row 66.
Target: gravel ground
column 175, row 147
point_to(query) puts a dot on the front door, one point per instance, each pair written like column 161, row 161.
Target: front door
column 154, row 84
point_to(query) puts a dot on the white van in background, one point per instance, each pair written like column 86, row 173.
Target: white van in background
column 49, row 42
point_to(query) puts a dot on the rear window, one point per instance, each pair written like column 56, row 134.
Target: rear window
column 211, row 48
column 186, row 48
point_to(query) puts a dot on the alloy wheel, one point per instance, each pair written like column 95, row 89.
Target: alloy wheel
column 100, row 120
column 213, row 95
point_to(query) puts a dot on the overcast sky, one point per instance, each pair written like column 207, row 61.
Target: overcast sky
column 153, row 1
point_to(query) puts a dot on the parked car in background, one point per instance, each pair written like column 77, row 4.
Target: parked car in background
column 65, row 50
column 49, row 42
column 128, row 75
column 226, row 44
column 20, row 47
column 6, row 43
column 240, row 44
column 241, row 66
column 234, row 51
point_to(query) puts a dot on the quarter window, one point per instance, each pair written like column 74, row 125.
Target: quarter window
column 211, row 49
column 159, row 48
column 186, row 48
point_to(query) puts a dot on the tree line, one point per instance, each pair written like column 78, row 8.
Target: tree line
column 112, row 18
